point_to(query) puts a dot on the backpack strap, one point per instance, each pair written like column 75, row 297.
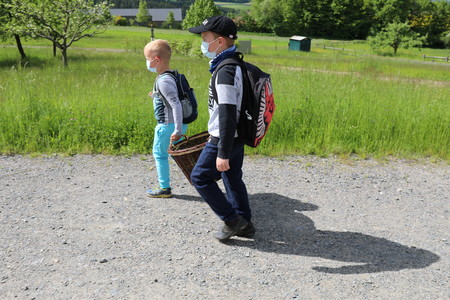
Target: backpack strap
column 238, row 60
column 175, row 75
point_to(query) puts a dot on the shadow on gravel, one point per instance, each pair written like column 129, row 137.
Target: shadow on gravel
column 282, row 228
column 188, row 198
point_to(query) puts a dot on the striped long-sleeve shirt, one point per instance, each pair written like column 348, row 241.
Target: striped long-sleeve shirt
column 224, row 111
column 166, row 103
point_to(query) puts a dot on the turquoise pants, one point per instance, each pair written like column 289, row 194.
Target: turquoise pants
column 161, row 143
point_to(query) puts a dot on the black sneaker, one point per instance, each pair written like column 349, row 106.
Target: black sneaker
column 248, row 231
column 231, row 228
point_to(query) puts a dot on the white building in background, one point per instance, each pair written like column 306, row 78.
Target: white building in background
column 159, row 15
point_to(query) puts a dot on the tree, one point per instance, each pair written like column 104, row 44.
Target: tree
column 385, row 12
column 142, row 16
column 246, row 22
column 4, row 18
column 199, row 11
column 431, row 19
column 325, row 18
column 349, row 19
column 62, row 22
column 170, row 20
column 445, row 38
column 281, row 18
column 6, row 30
column 396, row 35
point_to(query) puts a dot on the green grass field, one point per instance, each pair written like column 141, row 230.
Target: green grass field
column 328, row 102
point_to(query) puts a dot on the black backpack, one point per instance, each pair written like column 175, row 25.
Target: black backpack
column 186, row 95
column 258, row 104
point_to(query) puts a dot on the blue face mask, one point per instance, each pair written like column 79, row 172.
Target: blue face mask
column 205, row 51
column 150, row 68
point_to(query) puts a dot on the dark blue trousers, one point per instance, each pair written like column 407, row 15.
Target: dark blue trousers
column 205, row 174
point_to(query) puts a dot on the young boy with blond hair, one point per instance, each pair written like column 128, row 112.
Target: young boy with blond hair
column 168, row 113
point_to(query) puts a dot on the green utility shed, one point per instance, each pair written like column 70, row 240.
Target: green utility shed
column 300, row 43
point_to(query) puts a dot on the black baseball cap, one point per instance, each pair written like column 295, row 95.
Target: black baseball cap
column 218, row 24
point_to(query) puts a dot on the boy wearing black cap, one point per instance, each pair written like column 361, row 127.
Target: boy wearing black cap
column 223, row 155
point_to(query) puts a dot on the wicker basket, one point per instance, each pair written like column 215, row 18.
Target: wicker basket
column 186, row 152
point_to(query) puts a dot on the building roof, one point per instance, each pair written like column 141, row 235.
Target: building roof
column 158, row 14
column 299, row 38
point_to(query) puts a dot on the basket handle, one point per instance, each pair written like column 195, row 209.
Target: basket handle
column 173, row 146
column 174, row 143
column 182, row 138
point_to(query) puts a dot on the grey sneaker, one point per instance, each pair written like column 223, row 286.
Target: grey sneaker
column 160, row 193
column 230, row 228
column 248, row 231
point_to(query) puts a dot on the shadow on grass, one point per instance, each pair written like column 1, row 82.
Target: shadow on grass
column 282, row 228
column 29, row 62
column 41, row 63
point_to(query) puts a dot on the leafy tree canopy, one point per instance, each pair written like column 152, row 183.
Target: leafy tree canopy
column 142, row 16
column 396, row 35
column 199, row 11
column 61, row 21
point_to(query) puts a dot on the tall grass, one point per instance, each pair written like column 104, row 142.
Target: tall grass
column 343, row 114
column 327, row 102
column 100, row 104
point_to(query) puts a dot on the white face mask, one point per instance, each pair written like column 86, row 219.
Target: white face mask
column 205, row 51
column 150, row 68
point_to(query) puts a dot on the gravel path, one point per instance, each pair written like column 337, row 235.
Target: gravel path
column 81, row 227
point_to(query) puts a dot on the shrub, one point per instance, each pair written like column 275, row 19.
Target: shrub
column 185, row 47
column 445, row 38
column 120, row 21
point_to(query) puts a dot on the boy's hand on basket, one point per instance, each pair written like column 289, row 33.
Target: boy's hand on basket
column 175, row 137
column 222, row 164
